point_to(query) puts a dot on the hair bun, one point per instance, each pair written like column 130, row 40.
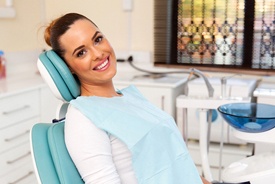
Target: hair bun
column 47, row 33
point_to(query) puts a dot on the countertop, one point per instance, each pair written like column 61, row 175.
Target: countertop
column 27, row 77
column 19, row 83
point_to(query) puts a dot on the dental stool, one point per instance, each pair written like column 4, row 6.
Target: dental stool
column 52, row 162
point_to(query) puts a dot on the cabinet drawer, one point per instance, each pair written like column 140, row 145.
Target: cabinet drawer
column 15, row 158
column 19, row 107
column 22, row 175
column 16, row 134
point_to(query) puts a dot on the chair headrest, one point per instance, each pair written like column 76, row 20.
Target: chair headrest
column 58, row 76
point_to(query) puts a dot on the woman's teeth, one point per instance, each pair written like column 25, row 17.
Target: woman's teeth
column 102, row 65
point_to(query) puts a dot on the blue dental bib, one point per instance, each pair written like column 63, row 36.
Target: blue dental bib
column 159, row 154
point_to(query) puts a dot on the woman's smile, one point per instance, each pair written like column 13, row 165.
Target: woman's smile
column 102, row 65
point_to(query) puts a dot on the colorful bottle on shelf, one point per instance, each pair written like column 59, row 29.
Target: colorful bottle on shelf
column 2, row 65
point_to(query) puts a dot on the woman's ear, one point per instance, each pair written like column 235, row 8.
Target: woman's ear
column 72, row 71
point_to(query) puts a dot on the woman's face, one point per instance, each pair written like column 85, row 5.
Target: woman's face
column 88, row 53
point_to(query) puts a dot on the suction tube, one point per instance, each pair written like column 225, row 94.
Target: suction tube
column 208, row 85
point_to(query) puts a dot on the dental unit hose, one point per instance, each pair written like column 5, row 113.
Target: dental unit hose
column 223, row 84
column 130, row 60
column 223, row 95
column 208, row 85
column 210, row 94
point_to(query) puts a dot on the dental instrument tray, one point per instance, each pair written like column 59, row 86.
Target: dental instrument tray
column 249, row 117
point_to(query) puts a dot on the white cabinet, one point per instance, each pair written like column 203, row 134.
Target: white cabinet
column 18, row 112
column 162, row 92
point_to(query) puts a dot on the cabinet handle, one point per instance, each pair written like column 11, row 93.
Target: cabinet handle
column 19, row 158
column 17, row 109
column 17, row 136
column 162, row 102
column 23, row 177
column 212, row 167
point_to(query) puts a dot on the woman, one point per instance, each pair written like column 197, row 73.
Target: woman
column 114, row 136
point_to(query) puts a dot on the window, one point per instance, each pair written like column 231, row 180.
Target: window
column 224, row 35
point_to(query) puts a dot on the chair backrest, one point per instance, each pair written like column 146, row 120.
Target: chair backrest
column 52, row 162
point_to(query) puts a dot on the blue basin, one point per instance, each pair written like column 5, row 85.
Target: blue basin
column 249, row 117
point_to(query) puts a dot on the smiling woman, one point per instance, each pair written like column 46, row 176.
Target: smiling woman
column 89, row 55
column 113, row 136
column 87, row 52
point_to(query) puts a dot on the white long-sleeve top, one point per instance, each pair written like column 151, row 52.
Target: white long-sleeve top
column 99, row 157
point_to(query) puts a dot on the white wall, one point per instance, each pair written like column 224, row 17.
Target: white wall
column 20, row 33
column 133, row 31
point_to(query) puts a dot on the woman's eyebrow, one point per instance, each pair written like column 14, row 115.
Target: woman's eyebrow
column 95, row 34
column 77, row 49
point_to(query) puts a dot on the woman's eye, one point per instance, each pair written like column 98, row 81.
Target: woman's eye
column 98, row 39
column 80, row 53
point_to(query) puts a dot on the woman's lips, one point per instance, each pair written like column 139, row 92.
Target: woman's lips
column 103, row 65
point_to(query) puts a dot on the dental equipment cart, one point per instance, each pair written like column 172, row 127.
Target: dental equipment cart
column 252, row 122
column 203, row 104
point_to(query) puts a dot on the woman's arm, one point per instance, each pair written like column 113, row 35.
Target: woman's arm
column 90, row 149
column 204, row 181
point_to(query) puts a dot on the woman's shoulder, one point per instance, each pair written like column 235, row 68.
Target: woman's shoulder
column 73, row 111
column 133, row 91
column 76, row 120
column 74, row 115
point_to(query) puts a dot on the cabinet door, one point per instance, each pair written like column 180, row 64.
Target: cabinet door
column 158, row 96
column 20, row 175
column 49, row 104
column 15, row 158
column 18, row 107
column 16, row 134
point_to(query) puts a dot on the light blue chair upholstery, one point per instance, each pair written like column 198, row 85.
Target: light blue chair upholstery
column 52, row 162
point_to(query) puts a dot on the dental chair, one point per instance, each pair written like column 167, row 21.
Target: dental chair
column 52, row 162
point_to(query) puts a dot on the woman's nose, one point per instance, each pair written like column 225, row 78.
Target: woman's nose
column 97, row 53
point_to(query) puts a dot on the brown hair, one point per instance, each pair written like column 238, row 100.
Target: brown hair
column 58, row 27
